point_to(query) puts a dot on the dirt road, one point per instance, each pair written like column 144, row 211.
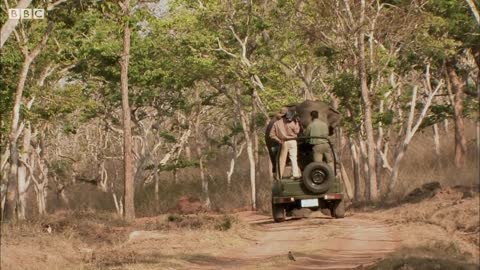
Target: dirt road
column 439, row 233
column 317, row 242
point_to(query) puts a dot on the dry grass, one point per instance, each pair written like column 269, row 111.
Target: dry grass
column 421, row 165
column 425, row 258
column 177, row 242
column 442, row 232
column 89, row 240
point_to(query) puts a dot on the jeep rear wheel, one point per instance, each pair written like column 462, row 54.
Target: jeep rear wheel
column 324, row 208
column 318, row 177
column 338, row 209
column 278, row 212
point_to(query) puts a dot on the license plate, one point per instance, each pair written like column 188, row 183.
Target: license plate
column 309, row 203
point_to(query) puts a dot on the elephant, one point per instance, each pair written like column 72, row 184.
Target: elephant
column 303, row 110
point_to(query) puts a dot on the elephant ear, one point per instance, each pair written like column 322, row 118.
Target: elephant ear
column 333, row 118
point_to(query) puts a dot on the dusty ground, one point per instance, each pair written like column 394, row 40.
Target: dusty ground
column 440, row 229
column 317, row 242
column 441, row 232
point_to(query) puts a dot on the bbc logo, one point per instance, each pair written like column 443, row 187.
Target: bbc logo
column 26, row 14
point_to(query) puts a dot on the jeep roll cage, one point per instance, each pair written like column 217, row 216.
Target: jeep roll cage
column 303, row 139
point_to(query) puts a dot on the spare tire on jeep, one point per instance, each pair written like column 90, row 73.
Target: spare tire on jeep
column 318, row 177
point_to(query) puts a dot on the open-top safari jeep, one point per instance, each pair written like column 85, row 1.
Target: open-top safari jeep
column 319, row 188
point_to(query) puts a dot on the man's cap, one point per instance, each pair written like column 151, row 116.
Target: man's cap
column 283, row 111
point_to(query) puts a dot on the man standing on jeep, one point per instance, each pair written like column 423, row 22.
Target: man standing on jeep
column 285, row 131
column 321, row 148
column 273, row 145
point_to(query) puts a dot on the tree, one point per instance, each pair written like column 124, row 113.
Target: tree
column 474, row 10
column 16, row 128
column 412, row 125
column 367, row 107
column 129, row 203
column 455, row 19
column 9, row 27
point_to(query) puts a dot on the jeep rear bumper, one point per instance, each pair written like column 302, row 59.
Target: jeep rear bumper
column 291, row 199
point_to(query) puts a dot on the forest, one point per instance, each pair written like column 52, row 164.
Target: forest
column 125, row 106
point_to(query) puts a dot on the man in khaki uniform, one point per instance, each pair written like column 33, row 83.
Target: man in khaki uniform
column 273, row 145
column 321, row 148
column 285, row 131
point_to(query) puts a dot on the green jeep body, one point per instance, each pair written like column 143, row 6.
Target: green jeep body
column 288, row 194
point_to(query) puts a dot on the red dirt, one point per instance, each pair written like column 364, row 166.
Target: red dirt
column 317, row 242
column 187, row 205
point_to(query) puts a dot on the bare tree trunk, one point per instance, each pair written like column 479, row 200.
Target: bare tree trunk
column 307, row 75
column 12, row 189
column 478, row 115
column 157, row 180
column 10, row 24
column 129, row 194
column 44, row 175
column 198, row 149
column 396, row 164
column 436, row 140
column 372, row 175
column 476, row 57
column 411, row 129
column 255, row 142
column 118, row 204
column 356, row 170
column 445, row 126
column 460, row 140
column 244, row 119
column 380, row 134
column 3, row 181
column 230, row 171
column 3, row 199
column 23, row 184
column 474, row 10
column 251, row 159
column 40, row 183
column 346, row 182
column 175, row 175
column 236, row 155
column 364, row 164
column 41, row 195
column 29, row 57
column 3, row 164
column 202, row 174
column 12, row 185
column 22, row 192
column 63, row 196
column 188, row 152
column 204, row 180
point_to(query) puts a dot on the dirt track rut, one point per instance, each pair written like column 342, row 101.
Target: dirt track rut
column 317, row 242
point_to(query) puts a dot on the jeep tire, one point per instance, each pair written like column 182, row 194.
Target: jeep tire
column 338, row 209
column 278, row 212
column 324, row 208
column 318, row 177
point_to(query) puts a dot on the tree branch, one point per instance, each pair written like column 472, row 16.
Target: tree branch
column 474, row 10
column 221, row 48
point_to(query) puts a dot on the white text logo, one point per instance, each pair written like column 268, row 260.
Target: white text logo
column 26, row 14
